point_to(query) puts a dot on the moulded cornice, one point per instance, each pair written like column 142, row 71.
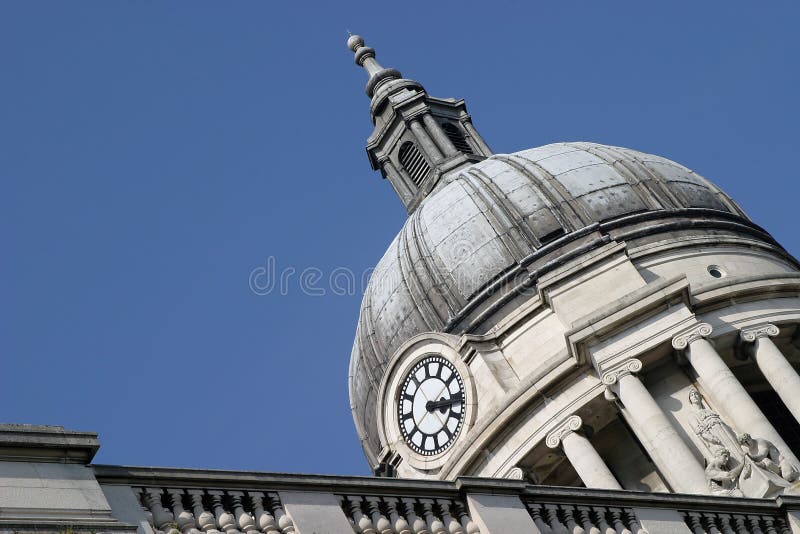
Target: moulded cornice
column 621, row 315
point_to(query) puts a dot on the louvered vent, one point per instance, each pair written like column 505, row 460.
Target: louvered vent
column 413, row 162
column 457, row 138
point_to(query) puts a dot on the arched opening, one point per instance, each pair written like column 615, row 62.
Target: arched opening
column 414, row 163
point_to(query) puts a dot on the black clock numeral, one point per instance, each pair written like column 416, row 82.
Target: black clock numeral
column 408, row 397
column 407, row 416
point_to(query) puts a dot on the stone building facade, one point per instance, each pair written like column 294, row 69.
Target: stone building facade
column 571, row 338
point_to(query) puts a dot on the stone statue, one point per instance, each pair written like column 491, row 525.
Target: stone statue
column 708, row 425
column 767, row 456
column 722, row 478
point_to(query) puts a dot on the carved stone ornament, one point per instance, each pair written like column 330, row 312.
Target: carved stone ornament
column 750, row 334
column 515, row 473
column 627, row 367
column 572, row 423
column 698, row 331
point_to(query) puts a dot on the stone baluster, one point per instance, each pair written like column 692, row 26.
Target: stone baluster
column 755, row 524
column 264, row 520
column 184, row 518
column 727, row 393
column 710, row 523
column 162, row 518
column 780, row 374
column 633, row 522
column 725, row 523
column 441, row 139
column 142, row 496
column 617, row 520
column 418, row 524
column 244, row 521
column 665, row 446
column 586, row 520
column 466, row 521
column 361, row 520
column 225, row 520
column 740, row 523
column 555, row 522
column 399, row 523
column 435, row 524
column 448, row 516
column 425, row 141
column 285, row 524
column 538, row 520
column 205, row 519
column 581, row 454
column 381, row 522
column 602, row 523
column 769, row 525
column 695, row 523
column 570, row 520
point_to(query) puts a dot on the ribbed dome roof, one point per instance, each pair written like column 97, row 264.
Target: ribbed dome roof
column 487, row 220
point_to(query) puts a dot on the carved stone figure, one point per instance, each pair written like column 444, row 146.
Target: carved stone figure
column 767, row 456
column 722, row 478
column 708, row 425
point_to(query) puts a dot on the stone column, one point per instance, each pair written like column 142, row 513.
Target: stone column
column 477, row 137
column 581, row 454
column 729, row 396
column 780, row 374
column 400, row 186
column 439, row 136
column 669, row 452
column 425, row 141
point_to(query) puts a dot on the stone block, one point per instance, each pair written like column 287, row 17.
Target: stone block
column 661, row 521
column 500, row 514
column 315, row 513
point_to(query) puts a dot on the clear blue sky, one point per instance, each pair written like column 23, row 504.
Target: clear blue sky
column 152, row 154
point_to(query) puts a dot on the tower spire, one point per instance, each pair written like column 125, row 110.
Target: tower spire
column 419, row 141
column 365, row 57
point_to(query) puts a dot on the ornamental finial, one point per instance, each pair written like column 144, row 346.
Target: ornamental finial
column 365, row 57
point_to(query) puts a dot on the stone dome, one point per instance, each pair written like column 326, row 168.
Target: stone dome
column 486, row 221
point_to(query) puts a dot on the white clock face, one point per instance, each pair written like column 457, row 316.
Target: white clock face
column 430, row 406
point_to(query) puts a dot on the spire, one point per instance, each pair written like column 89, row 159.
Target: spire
column 365, row 57
column 419, row 141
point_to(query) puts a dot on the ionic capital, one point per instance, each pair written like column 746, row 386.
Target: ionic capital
column 627, row 367
column 752, row 333
column 571, row 424
column 515, row 473
column 685, row 338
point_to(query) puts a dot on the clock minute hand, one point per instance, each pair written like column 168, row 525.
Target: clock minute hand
column 444, row 403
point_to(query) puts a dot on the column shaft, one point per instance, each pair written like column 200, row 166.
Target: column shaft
column 672, row 456
column 478, row 139
column 425, row 140
column 729, row 396
column 439, row 136
column 587, row 462
column 780, row 374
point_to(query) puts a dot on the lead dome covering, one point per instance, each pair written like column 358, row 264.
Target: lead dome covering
column 487, row 220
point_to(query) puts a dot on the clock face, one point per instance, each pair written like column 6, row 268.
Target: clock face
column 430, row 407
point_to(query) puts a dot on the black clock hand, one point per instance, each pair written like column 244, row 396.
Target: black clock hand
column 444, row 403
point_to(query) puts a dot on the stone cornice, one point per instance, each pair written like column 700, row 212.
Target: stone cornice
column 571, row 424
column 627, row 367
column 751, row 333
column 699, row 331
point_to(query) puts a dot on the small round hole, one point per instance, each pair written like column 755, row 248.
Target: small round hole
column 716, row 271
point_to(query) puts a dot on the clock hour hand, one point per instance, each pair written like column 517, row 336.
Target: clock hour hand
column 443, row 403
